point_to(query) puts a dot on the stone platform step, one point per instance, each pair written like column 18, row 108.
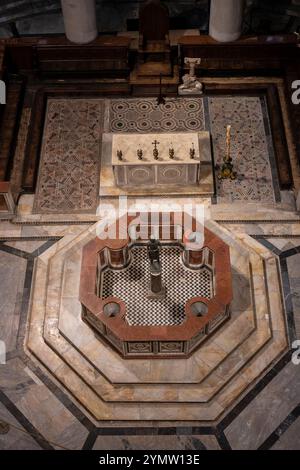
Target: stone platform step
column 149, row 85
column 176, row 401
column 154, row 69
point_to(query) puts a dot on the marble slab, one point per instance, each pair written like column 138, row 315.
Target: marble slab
column 205, row 186
column 181, row 143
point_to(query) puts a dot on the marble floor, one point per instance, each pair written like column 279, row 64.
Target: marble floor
column 60, row 388
column 67, row 182
column 41, row 413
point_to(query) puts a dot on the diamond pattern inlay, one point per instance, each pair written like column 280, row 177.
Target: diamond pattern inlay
column 69, row 169
column 132, row 285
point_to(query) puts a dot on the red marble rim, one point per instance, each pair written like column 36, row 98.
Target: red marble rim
column 117, row 324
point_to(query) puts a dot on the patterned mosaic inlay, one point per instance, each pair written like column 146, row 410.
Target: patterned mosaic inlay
column 249, row 147
column 132, row 285
column 143, row 115
column 69, row 169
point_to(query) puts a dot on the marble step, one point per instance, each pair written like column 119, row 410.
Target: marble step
column 85, row 367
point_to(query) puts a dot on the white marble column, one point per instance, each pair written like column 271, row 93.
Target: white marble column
column 80, row 20
column 225, row 21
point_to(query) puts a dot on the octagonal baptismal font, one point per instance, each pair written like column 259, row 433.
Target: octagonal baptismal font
column 164, row 307
column 79, row 316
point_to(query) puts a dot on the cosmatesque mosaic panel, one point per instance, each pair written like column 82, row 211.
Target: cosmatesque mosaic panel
column 250, row 147
column 143, row 115
column 69, row 169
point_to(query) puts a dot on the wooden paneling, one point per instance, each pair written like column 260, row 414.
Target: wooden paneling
column 33, row 147
column 279, row 138
column 107, row 59
column 259, row 52
column 10, row 118
column 292, row 73
column 106, row 56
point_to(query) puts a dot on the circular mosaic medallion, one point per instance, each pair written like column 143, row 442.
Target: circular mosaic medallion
column 192, row 105
column 120, row 107
column 168, row 124
column 145, row 106
column 170, row 107
column 144, row 125
column 118, row 125
column 194, row 124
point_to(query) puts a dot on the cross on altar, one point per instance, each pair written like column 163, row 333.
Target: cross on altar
column 155, row 151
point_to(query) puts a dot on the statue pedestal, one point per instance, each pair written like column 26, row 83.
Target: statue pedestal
column 157, row 295
column 157, row 289
column 190, row 85
column 189, row 91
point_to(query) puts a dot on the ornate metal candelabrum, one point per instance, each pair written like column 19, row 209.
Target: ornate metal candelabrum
column 171, row 152
column 192, row 152
column 155, row 150
column 227, row 171
column 139, row 153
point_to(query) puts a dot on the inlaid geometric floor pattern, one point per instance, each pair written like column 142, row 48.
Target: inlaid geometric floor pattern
column 199, row 389
column 40, row 415
column 70, row 161
column 132, row 284
column 251, row 147
column 143, row 115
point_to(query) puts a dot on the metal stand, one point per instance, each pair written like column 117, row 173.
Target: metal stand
column 227, row 170
column 227, row 167
column 157, row 289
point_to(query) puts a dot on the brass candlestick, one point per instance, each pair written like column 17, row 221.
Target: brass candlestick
column 155, row 150
column 227, row 167
column 139, row 153
column 171, row 152
column 192, row 152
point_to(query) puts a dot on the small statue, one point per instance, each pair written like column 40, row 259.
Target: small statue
column 153, row 248
column 120, row 155
column 191, row 84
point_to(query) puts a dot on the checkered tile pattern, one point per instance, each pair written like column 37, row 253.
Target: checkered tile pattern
column 132, row 285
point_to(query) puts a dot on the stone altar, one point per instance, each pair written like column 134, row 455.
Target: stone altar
column 156, row 159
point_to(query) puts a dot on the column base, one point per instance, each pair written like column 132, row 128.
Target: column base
column 83, row 38
column 224, row 37
column 157, row 295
